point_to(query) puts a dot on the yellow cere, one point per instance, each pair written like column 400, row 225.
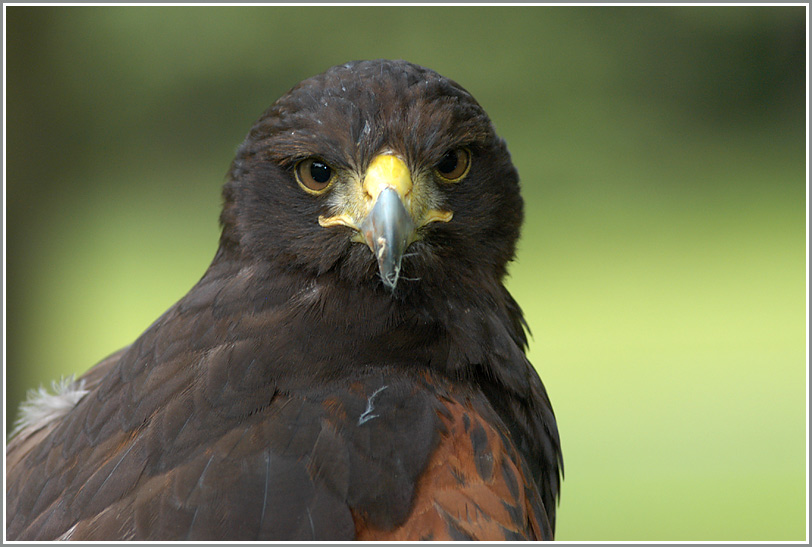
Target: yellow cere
column 388, row 170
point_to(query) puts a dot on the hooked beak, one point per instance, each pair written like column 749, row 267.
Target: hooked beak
column 387, row 230
column 386, row 209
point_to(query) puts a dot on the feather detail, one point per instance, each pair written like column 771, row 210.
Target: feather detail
column 42, row 407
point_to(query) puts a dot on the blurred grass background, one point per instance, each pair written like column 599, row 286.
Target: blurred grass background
column 662, row 267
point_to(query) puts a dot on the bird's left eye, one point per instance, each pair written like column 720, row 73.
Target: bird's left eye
column 454, row 164
column 314, row 175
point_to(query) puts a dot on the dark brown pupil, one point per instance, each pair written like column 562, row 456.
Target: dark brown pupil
column 320, row 172
column 448, row 163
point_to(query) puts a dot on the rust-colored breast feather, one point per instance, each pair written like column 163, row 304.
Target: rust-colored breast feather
column 473, row 488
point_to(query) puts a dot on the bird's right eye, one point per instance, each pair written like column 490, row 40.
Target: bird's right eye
column 314, row 175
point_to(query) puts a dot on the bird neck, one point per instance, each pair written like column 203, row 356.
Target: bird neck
column 457, row 330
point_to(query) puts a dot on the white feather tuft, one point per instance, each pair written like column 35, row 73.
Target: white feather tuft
column 41, row 407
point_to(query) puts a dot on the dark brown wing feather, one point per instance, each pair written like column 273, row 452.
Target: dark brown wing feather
column 387, row 456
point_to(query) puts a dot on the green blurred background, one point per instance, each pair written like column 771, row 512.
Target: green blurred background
column 662, row 267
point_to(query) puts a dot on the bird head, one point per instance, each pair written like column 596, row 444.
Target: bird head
column 382, row 173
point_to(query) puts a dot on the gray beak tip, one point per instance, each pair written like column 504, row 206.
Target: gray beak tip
column 387, row 230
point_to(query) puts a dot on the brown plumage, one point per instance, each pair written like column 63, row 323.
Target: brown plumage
column 350, row 366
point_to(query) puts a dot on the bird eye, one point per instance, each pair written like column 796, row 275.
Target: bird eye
column 454, row 164
column 314, row 175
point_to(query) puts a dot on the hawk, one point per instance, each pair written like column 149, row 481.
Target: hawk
column 350, row 365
